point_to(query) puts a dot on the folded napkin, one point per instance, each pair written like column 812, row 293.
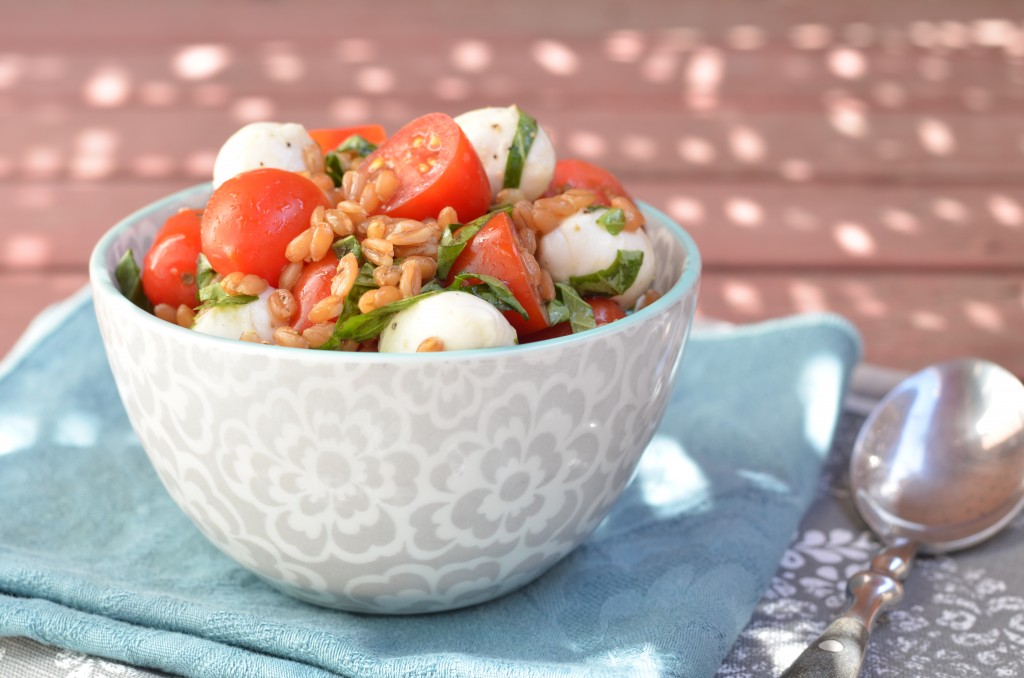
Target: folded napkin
column 94, row 556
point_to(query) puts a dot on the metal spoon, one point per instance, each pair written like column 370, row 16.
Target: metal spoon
column 938, row 466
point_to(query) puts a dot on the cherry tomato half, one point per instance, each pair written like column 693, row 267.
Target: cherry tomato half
column 436, row 166
column 582, row 174
column 495, row 251
column 605, row 311
column 169, row 267
column 251, row 218
column 330, row 138
column 313, row 285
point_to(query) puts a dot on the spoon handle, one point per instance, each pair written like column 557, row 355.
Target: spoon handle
column 839, row 650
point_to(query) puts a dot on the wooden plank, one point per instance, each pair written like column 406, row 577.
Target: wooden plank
column 54, row 224
column 906, row 320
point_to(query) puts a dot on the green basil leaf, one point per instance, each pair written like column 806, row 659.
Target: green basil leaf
column 431, row 286
column 211, row 294
column 350, row 309
column 590, row 209
column 490, row 289
column 526, row 132
column 129, row 279
column 613, row 220
column 613, row 280
column 369, row 325
column 346, row 245
column 581, row 314
column 454, row 240
column 357, row 145
column 334, row 168
column 365, row 277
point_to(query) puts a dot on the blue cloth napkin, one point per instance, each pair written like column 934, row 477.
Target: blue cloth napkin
column 95, row 557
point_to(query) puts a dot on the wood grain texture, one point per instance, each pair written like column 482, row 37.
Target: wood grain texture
column 864, row 158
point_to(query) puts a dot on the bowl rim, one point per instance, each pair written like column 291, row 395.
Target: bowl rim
column 102, row 282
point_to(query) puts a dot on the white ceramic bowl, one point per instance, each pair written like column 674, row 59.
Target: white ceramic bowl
column 394, row 483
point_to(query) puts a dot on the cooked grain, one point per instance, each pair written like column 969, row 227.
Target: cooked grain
column 287, row 336
column 328, row 308
column 282, row 305
column 379, row 252
column 430, row 345
column 298, row 249
column 387, row 275
column 317, row 335
column 634, row 219
column 320, row 242
column 410, row 282
column 290, row 275
column 345, row 275
column 166, row 312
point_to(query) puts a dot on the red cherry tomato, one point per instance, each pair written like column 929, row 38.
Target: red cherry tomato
column 605, row 311
column 314, row 284
column 436, row 166
column 330, row 139
column 169, row 267
column 582, row 174
column 495, row 251
column 251, row 218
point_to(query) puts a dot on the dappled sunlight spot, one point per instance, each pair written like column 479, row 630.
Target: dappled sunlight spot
column 355, row 50
column 587, row 144
column 11, row 68
column 17, row 432
column 900, row 221
column 935, row 136
column 819, row 387
column 211, row 95
column 747, row 144
column 375, row 80
column 796, row 170
column 200, row 62
column 659, row 66
column 26, row 250
column 984, row 316
column 686, row 210
column 282, row 64
column 451, row 88
column 200, row 163
column 472, row 56
column 855, row 239
column 889, row 94
column 669, row 479
column 744, row 212
column 152, row 165
column 555, row 57
column 350, row 110
column 77, row 429
column 847, row 115
column 810, row 36
column 933, row 68
column 847, row 63
column 1006, row 210
column 253, row 109
column 94, row 154
column 807, row 297
column 783, row 645
column 865, row 302
column 745, row 38
column 624, row 46
column 950, row 210
column 954, row 35
column 158, row 93
column 108, row 87
column 859, row 34
column 930, row 321
column 743, row 297
column 696, row 150
column 923, row 34
column 799, row 219
column 638, row 147
column 41, row 162
column 703, row 78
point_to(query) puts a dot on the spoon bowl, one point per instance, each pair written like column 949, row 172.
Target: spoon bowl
column 938, row 466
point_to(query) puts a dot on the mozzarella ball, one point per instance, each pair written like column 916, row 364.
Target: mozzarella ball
column 233, row 320
column 460, row 320
column 262, row 144
column 581, row 246
column 491, row 131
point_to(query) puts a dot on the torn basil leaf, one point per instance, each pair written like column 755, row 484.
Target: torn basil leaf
column 211, row 294
column 356, row 145
column 370, row 325
column 334, row 168
column 129, row 279
column 613, row 220
column 568, row 305
column 337, row 162
column 526, row 132
column 490, row 289
column 454, row 240
column 346, row 245
column 615, row 279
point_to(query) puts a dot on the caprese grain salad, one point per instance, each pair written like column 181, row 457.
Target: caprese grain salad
column 451, row 234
